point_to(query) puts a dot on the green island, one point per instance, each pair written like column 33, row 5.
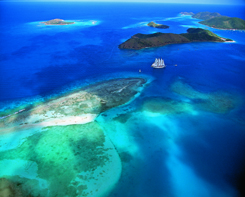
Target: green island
column 225, row 22
column 140, row 41
column 216, row 20
column 206, row 15
column 155, row 25
column 57, row 22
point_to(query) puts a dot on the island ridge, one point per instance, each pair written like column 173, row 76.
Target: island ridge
column 140, row 41
column 216, row 20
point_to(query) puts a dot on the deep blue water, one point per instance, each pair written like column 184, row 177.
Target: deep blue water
column 37, row 61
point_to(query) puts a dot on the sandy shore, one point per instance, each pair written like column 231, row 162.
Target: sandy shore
column 67, row 120
column 79, row 107
column 74, row 144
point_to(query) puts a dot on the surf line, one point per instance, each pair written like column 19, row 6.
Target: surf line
column 12, row 114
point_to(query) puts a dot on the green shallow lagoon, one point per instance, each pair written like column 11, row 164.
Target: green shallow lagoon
column 63, row 157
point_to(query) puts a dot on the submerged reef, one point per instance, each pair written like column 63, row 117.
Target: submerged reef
column 9, row 188
column 56, row 149
column 78, row 107
column 165, row 105
column 216, row 102
column 74, row 160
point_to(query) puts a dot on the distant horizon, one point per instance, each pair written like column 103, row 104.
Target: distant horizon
column 206, row 2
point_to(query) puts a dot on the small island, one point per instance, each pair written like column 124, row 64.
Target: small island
column 140, row 41
column 187, row 13
column 57, row 22
column 155, row 25
column 216, row 20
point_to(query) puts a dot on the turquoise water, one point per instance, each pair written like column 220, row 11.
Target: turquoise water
column 182, row 137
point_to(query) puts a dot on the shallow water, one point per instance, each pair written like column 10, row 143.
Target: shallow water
column 182, row 136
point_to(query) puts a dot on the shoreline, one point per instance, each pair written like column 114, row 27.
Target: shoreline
column 221, row 28
column 79, row 106
column 36, row 101
column 177, row 43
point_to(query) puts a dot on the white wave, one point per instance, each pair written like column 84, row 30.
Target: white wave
column 141, row 24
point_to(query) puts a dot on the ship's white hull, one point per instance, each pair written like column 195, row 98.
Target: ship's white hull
column 153, row 66
column 159, row 67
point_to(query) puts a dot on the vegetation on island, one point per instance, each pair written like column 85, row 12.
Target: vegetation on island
column 57, row 22
column 198, row 34
column 206, row 15
column 140, row 41
column 216, row 20
column 225, row 22
column 160, row 26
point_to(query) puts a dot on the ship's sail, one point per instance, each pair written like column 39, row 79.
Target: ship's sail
column 159, row 63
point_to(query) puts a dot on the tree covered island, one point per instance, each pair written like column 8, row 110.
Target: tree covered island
column 216, row 20
column 206, row 15
column 58, row 22
column 140, row 41
column 225, row 22
column 155, row 25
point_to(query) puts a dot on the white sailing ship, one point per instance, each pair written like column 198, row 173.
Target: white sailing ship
column 159, row 63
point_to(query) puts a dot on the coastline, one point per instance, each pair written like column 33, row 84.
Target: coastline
column 78, row 107
column 47, row 123
column 222, row 28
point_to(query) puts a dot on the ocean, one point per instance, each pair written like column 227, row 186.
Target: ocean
column 184, row 135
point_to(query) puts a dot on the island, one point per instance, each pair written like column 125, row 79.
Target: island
column 206, row 15
column 216, row 20
column 225, row 22
column 155, row 25
column 140, row 41
column 186, row 13
column 58, row 142
column 57, row 22
column 77, row 107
